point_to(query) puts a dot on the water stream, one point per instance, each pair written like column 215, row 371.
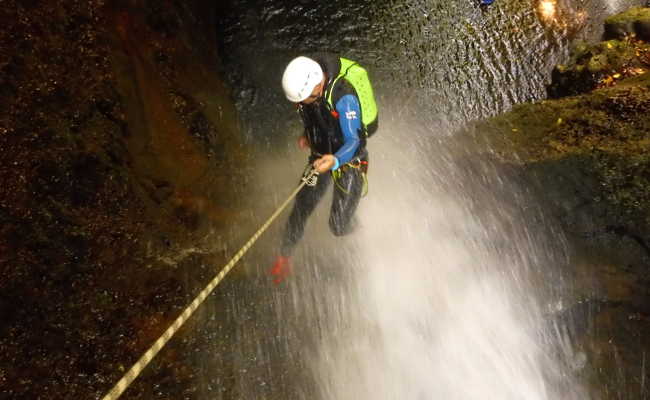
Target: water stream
column 451, row 284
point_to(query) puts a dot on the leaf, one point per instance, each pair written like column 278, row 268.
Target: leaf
column 608, row 80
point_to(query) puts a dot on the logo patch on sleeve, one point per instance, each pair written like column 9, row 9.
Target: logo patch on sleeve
column 351, row 114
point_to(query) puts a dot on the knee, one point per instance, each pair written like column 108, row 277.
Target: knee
column 338, row 228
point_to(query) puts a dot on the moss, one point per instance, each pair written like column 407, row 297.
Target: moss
column 608, row 130
column 631, row 15
column 624, row 53
column 635, row 21
column 597, row 65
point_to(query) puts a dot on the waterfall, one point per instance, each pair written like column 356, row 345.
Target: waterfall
column 437, row 294
column 452, row 285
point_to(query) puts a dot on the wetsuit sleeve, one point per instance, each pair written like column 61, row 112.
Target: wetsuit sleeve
column 349, row 111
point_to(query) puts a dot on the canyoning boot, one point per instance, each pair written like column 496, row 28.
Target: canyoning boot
column 281, row 269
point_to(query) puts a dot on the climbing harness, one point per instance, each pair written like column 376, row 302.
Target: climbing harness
column 146, row 358
column 310, row 176
column 358, row 164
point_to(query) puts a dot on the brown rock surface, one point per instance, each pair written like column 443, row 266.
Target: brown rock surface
column 116, row 139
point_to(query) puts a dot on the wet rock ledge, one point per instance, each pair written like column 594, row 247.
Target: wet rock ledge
column 585, row 152
column 117, row 139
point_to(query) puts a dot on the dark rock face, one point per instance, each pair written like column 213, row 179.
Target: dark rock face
column 610, row 260
column 116, row 139
column 588, row 159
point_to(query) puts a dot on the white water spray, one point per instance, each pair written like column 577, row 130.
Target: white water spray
column 438, row 300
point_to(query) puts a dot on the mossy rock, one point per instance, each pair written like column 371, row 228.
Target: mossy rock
column 626, row 45
column 634, row 21
column 607, row 130
column 591, row 63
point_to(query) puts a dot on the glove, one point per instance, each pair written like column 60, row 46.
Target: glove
column 281, row 269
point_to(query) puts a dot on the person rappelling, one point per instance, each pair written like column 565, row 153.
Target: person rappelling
column 335, row 100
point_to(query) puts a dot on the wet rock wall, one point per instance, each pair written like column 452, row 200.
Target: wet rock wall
column 117, row 140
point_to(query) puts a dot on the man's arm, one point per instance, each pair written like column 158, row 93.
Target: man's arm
column 349, row 110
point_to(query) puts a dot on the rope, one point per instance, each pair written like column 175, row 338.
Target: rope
column 146, row 358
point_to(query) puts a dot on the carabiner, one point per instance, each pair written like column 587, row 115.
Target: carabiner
column 310, row 176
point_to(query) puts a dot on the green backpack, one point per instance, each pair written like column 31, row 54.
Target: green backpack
column 358, row 78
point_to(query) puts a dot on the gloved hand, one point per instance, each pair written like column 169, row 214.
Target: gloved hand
column 281, row 269
column 325, row 163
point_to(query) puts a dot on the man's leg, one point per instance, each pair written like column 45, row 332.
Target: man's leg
column 306, row 201
column 347, row 193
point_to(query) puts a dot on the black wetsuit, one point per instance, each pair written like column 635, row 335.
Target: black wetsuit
column 328, row 132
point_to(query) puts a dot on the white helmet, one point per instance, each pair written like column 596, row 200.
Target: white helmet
column 300, row 78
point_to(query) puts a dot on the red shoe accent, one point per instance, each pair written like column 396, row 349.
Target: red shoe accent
column 281, row 269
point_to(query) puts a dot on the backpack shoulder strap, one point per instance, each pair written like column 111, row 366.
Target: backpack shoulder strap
column 345, row 67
